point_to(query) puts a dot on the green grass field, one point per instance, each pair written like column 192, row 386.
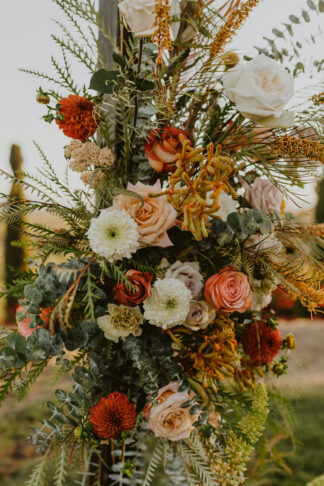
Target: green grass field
column 307, row 462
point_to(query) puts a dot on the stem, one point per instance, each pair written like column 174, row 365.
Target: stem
column 232, row 126
column 140, row 55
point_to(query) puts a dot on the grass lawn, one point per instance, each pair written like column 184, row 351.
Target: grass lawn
column 17, row 456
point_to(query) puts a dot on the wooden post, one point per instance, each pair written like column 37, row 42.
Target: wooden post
column 108, row 11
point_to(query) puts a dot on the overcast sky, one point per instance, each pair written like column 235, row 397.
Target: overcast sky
column 25, row 28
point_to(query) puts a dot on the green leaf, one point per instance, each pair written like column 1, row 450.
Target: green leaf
column 144, row 84
column 321, row 5
column 306, row 16
column 289, row 28
column 311, row 4
column 129, row 193
column 119, row 59
column 104, row 81
column 278, row 33
column 294, row 19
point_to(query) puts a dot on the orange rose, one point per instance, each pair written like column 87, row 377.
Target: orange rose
column 162, row 148
column 229, row 291
column 153, row 215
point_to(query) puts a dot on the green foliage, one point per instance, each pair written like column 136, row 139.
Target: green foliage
column 38, row 476
column 61, row 470
column 155, row 460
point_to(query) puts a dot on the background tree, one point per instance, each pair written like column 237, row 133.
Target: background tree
column 14, row 256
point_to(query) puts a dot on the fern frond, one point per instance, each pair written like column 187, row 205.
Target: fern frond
column 65, row 76
column 29, row 379
column 155, row 460
column 38, row 475
column 60, row 472
column 197, row 465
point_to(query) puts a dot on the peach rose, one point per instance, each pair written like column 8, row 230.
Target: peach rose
column 168, row 419
column 264, row 195
column 162, row 148
column 153, row 217
column 229, row 291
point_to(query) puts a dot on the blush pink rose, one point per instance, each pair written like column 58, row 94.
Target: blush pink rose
column 168, row 419
column 229, row 291
column 154, row 215
column 264, row 195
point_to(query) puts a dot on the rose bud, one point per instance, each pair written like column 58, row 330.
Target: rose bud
column 163, row 147
column 141, row 281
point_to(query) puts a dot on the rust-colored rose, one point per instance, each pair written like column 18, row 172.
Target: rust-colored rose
column 163, row 147
column 141, row 282
column 229, row 291
column 23, row 320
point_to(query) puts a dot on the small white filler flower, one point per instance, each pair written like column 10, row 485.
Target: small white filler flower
column 169, row 303
column 113, row 234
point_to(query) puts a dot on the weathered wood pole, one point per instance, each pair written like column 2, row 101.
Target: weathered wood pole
column 109, row 13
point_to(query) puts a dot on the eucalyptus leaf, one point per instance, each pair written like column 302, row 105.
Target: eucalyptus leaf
column 104, row 81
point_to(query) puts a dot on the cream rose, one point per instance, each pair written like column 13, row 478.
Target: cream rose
column 153, row 215
column 189, row 274
column 260, row 89
column 139, row 15
column 200, row 315
column 168, row 419
column 264, row 195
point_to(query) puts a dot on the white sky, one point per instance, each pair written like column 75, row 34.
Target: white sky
column 25, row 28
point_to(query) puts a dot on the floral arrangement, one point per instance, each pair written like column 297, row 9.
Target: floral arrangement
column 170, row 251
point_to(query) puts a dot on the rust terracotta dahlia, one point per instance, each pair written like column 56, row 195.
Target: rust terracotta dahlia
column 261, row 342
column 112, row 414
column 79, row 120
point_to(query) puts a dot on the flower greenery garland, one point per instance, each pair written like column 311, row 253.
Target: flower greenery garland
column 169, row 252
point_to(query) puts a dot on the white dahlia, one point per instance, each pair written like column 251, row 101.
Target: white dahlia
column 169, row 303
column 113, row 234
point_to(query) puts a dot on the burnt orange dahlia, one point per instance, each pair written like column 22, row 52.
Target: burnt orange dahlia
column 112, row 414
column 261, row 342
column 79, row 120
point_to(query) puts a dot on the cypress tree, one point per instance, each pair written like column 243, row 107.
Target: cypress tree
column 14, row 256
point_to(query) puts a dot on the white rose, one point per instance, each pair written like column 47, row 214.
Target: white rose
column 262, row 293
column 189, row 274
column 264, row 195
column 268, row 244
column 227, row 205
column 260, row 89
column 139, row 15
